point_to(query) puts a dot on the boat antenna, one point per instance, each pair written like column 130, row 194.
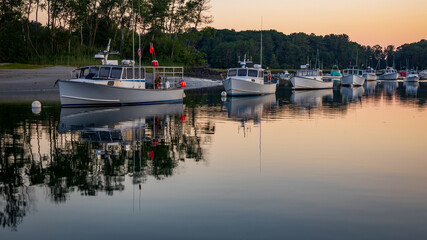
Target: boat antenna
column 139, row 38
column 133, row 42
column 357, row 56
column 260, row 62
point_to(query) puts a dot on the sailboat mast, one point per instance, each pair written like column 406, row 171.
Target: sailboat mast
column 260, row 62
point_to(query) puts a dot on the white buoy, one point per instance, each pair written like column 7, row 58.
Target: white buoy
column 36, row 107
column 223, row 94
column 36, row 104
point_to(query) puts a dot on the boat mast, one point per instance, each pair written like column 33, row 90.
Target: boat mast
column 260, row 62
column 133, row 42
column 139, row 38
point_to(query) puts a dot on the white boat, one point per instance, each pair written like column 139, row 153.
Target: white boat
column 369, row 74
column 245, row 81
column 388, row 74
column 310, row 79
column 111, row 84
column 352, row 77
column 285, row 75
column 411, row 76
column 423, row 75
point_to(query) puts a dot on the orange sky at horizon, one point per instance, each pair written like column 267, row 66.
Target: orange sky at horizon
column 367, row 22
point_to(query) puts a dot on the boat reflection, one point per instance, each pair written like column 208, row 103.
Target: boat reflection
column 369, row 87
column 310, row 99
column 244, row 109
column 352, row 94
column 389, row 87
column 411, row 88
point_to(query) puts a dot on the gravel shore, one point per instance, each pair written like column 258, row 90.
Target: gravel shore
column 38, row 84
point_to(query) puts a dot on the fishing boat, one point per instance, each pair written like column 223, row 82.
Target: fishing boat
column 423, row 75
column 369, row 74
column 411, row 76
column 310, row 79
column 125, row 84
column 336, row 73
column 248, row 80
column 352, row 77
column 388, row 74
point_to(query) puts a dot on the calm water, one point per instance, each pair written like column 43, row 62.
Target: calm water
column 327, row 164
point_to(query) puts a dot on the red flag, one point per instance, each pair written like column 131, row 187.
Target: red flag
column 151, row 48
column 139, row 53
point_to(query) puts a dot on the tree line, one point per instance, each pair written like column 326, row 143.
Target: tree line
column 179, row 29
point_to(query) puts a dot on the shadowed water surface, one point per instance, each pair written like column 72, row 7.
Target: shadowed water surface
column 347, row 163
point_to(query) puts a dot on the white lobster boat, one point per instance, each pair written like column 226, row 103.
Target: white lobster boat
column 112, row 84
column 310, row 79
column 389, row 74
column 352, row 77
column 369, row 74
column 245, row 81
column 423, row 75
column 412, row 76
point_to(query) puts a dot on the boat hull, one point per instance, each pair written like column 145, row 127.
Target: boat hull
column 238, row 87
column 80, row 94
column 370, row 76
column 310, row 83
column 411, row 79
column 352, row 80
column 388, row 76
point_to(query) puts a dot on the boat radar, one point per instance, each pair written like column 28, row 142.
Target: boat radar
column 103, row 56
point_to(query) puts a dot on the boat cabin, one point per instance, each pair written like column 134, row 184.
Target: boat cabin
column 245, row 72
column 352, row 71
column 111, row 72
column 309, row 72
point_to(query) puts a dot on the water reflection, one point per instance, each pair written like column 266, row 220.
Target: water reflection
column 93, row 150
column 310, row 99
column 369, row 87
column 352, row 94
column 411, row 88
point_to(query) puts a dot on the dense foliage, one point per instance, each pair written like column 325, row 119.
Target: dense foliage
column 75, row 30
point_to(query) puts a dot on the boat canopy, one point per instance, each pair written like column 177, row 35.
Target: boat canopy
column 246, row 72
column 103, row 72
column 352, row 71
column 309, row 72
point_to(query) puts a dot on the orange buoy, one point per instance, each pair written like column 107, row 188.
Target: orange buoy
column 183, row 84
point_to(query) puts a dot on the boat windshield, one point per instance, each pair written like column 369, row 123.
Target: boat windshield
column 252, row 73
column 116, row 73
column 104, row 72
column 133, row 73
column 232, row 72
column 83, row 72
column 242, row 72
column 93, row 72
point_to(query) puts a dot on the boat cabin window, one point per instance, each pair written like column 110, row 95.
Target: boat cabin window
column 252, row 73
column 116, row 73
column 104, row 72
column 83, row 72
column 232, row 72
column 93, row 72
column 138, row 74
column 261, row 74
column 242, row 72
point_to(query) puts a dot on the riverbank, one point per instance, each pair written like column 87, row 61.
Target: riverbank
column 39, row 84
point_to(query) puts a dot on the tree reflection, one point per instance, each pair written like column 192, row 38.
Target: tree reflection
column 90, row 151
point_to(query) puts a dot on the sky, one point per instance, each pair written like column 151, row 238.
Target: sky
column 368, row 22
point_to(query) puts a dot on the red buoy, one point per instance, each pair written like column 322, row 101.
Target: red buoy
column 183, row 84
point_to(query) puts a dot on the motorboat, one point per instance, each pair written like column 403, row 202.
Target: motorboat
column 411, row 76
column 423, row 75
column 248, row 80
column 125, row 84
column 336, row 73
column 352, row 77
column 285, row 75
column 369, row 74
column 310, row 79
column 388, row 74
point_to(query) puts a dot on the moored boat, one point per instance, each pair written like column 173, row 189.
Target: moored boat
column 423, row 75
column 352, row 77
column 411, row 76
column 388, row 74
column 111, row 84
column 245, row 81
column 310, row 79
column 369, row 74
